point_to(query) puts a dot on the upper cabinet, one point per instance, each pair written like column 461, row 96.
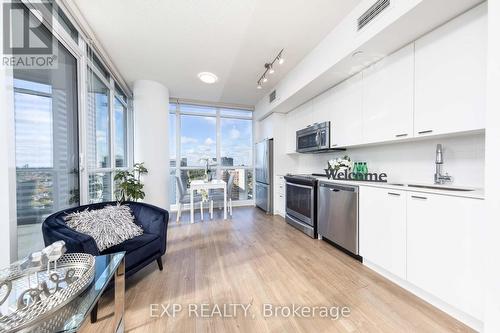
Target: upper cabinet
column 299, row 118
column 342, row 106
column 450, row 76
column 436, row 85
column 388, row 97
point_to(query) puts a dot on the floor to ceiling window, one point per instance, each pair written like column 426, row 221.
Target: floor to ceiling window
column 46, row 144
column 107, row 131
column 72, row 128
column 220, row 136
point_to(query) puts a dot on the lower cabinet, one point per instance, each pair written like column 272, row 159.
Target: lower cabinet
column 382, row 229
column 279, row 200
column 444, row 248
column 433, row 242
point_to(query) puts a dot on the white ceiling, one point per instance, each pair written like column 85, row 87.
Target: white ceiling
column 171, row 41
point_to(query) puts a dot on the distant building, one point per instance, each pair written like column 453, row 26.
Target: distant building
column 226, row 161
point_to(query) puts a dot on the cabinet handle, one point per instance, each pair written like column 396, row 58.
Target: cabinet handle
column 334, row 145
column 425, row 132
column 392, row 193
column 418, row 197
column 401, row 135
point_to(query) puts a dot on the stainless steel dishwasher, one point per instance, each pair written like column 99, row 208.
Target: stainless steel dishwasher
column 338, row 215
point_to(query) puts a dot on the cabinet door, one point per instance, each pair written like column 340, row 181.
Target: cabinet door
column 444, row 248
column 322, row 106
column 297, row 119
column 382, row 228
column 279, row 207
column 450, row 76
column 346, row 112
column 388, row 97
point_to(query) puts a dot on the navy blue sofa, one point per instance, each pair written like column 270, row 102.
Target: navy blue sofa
column 140, row 251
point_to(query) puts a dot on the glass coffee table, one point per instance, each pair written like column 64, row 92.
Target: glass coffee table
column 71, row 317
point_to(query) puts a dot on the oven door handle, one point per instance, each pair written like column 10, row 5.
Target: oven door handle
column 299, row 185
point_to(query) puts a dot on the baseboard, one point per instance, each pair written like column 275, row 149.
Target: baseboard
column 459, row 315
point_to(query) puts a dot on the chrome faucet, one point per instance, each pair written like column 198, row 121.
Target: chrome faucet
column 439, row 178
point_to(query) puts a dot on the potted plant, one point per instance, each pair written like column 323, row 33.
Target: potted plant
column 128, row 183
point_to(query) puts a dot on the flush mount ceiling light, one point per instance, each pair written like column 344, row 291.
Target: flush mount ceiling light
column 208, row 77
column 269, row 66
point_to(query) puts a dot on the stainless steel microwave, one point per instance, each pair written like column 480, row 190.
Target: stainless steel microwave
column 313, row 138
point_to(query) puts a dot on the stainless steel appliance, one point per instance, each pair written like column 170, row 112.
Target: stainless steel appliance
column 313, row 138
column 338, row 215
column 300, row 201
column 264, row 175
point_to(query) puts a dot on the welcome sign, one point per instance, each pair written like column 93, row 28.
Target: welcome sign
column 351, row 176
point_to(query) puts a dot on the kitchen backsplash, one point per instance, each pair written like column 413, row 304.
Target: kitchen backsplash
column 412, row 161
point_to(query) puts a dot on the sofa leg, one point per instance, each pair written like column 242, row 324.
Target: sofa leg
column 93, row 314
column 160, row 263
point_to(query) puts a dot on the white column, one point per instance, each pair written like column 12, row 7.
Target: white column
column 8, row 223
column 151, row 139
column 492, row 181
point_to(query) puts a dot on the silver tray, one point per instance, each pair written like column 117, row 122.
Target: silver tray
column 25, row 304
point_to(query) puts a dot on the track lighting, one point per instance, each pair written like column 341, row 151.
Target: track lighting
column 270, row 68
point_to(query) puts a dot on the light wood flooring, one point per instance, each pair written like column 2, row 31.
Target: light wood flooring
column 257, row 259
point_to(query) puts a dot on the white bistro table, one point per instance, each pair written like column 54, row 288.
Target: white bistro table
column 197, row 185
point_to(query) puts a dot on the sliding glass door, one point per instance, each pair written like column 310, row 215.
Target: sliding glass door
column 46, row 145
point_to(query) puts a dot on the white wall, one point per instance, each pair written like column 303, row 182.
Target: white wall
column 492, row 233
column 411, row 161
column 151, row 139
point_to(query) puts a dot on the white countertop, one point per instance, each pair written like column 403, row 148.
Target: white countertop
column 476, row 193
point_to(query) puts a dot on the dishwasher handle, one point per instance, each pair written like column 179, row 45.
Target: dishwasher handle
column 338, row 188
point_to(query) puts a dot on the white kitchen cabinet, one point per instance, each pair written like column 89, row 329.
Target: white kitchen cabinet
column 297, row 119
column 382, row 228
column 322, row 106
column 450, row 76
column 346, row 112
column 444, row 248
column 279, row 200
column 388, row 97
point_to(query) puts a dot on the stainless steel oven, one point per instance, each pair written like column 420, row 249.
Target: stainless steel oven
column 313, row 138
column 300, row 200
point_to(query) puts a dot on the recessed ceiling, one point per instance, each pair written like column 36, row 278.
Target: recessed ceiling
column 172, row 41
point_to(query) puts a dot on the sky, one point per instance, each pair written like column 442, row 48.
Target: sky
column 198, row 139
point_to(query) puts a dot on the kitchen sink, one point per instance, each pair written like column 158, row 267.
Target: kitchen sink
column 444, row 188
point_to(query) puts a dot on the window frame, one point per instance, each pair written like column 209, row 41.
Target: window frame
column 219, row 168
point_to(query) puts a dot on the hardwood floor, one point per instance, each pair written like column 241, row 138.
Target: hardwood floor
column 256, row 259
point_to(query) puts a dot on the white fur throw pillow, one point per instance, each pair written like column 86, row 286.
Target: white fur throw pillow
column 108, row 226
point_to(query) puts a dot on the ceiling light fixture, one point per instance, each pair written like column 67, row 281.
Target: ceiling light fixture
column 357, row 54
column 270, row 68
column 208, row 77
